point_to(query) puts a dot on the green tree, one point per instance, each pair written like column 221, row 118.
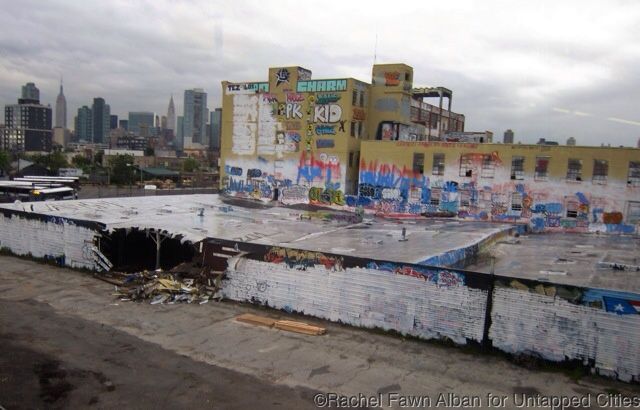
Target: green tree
column 5, row 162
column 122, row 169
column 190, row 165
column 53, row 161
column 80, row 161
column 97, row 158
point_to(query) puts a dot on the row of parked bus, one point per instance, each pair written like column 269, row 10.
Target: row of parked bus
column 34, row 188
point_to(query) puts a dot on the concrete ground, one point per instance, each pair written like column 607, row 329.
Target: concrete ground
column 567, row 258
column 68, row 343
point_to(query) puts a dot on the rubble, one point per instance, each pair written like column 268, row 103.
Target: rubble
column 186, row 282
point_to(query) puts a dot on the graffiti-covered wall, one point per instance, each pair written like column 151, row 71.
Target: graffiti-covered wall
column 68, row 242
column 551, row 188
column 287, row 138
column 599, row 328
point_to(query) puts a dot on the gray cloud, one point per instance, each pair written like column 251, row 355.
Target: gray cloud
column 509, row 65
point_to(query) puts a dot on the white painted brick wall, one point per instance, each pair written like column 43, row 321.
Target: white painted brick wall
column 23, row 236
column 555, row 329
column 363, row 297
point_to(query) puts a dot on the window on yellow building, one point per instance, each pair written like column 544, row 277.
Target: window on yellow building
column 353, row 128
column 351, row 160
column 435, row 196
column 361, row 99
column 600, row 171
column 466, row 166
column 354, row 98
column 633, row 179
column 517, row 168
column 488, row 167
column 418, row 163
column 542, row 169
column 516, row 201
column 438, row 164
column 574, row 169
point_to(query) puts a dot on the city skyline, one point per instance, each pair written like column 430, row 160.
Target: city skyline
column 545, row 70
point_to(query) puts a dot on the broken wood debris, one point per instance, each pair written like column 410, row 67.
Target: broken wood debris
column 288, row 325
column 185, row 283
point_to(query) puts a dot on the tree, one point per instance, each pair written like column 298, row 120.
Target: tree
column 122, row 169
column 80, row 161
column 53, row 161
column 190, row 165
column 97, row 158
column 5, row 162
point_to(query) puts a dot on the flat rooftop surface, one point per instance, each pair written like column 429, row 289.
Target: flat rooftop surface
column 322, row 231
column 574, row 259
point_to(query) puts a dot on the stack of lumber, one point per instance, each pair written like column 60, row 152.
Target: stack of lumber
column 300, row 327
column 288, row 325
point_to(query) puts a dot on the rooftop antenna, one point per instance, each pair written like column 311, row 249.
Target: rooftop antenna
column 375, row 47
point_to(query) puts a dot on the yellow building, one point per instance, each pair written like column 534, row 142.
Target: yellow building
column 551, row 187
column 382, row 147
column 294, row 138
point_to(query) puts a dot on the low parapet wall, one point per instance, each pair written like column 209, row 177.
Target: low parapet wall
column 598, row 327
column 67, row 241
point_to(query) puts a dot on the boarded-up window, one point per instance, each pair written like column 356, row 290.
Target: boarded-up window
column 465, row 198
column 418, row 163
column 466, row 166
column 600, row 171
column 488, row 167
column 542, row 168
column 517, row 168
column 438, row 164
column 633, row 178
column 574, row 169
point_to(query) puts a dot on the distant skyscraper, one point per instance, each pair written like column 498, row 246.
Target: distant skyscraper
column 113, row 122
column 100, row 120
column 139, row 120
column 571, row 141
column 508, row 137
column 171, row 115
column 179, row 141
column 83, row 126
column 124, row 124
column 215, row 122
column 30, row 92
column 195, row 116
column 61, row 109
column 28, row 123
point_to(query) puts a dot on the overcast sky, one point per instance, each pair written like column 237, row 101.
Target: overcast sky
column 550, row 69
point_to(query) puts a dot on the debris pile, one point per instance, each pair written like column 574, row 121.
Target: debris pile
column 184, row 283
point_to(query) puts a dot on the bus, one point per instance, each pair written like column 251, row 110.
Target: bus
column 11, row 191
column 73, row 182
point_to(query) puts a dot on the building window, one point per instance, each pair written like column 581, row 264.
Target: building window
column 488, row 167
column 516, row 201
column 438, row 164
column 600, row 171
column 517, row 168
column 574, row 169
column 354, row 99
column 466, row 166
column 353, row 128
column 357, row 159
column 633, row 179
column 572, row 209
column 542, row 168
column 351, row 160
column 435, row 196
column 361, row 98
column 465, row 198
column 360, row 129
column 633, row 212
column 418, row 163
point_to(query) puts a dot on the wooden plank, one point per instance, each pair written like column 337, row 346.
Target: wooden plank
column 299, row 327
